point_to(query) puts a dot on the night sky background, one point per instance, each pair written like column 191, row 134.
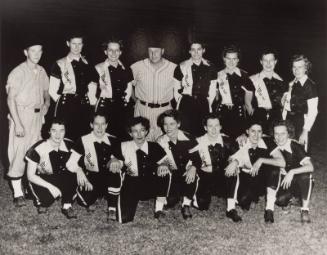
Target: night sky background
column 289, row 26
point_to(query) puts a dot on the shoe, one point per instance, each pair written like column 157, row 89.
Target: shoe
column 69, row 213
column 232, row 214
column 42, row 210
column 111, row 215
column 186, row 212
column 159, row 215
column 269, row 216
column 19, row 201
column 305, row 217
column 91, row 208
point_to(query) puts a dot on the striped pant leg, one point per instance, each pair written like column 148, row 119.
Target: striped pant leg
column 203, row 194
column 284, row 196
column 304, row 182
column 114, row 184
column 87, row 198
column 42, row 196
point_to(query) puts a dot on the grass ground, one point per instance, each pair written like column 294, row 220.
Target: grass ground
column 23, row 231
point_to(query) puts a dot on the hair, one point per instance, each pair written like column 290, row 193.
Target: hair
column 203, row 45
column 112, row 40
column 231, row 49
column 169, row 113
column 76, row 34
column 208, row 117
column 286, row 123
column 58, row 121
column 100, row 114
column 267, row 51
column 138, row 120
column 307, row 63
column 253, row 122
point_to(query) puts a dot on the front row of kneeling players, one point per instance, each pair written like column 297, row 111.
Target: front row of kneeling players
column 177, row 166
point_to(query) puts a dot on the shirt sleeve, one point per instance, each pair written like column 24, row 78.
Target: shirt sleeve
column 55, row 71
column 14, row 82
column 178, row 75
column 32, row 155
column 248, row 85
column 129, row 75
column 46, row 81
column 310, row 117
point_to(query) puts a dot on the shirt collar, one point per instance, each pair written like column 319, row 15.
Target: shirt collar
column 303, row 79
column 62, row 146
column 144, row 148
column 107, row 64
column 286, row 146
column 274, row 75
column 104, row 139
column 261, row 144
column 70, row 59
column 236, row 71
column 180, row 137
column 218, row 140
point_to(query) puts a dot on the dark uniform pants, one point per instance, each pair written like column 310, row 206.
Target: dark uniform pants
column 105, row 184
column 64, row 181
column 301, row 185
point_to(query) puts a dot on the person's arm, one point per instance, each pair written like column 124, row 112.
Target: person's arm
column 12, row 105
column 248, row 95
column 309, row 119
column 276, row 160
column 212, row 93
column 46, row 104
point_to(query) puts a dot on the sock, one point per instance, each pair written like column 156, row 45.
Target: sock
column 111, row 208
column 160, row 202
column 17, row 187
column 230, row 204
column 271, row 198
column 66, row 206
column 305, row 205
column 195, row 202
column 186, row 201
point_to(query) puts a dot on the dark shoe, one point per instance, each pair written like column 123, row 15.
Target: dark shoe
column 159, row 215
column 232, row 214
column 42, row 210
column 69, row 213
column 111, row 215
column 19, row 201
column 305, row 217
column 186, row 212
column 269, row 216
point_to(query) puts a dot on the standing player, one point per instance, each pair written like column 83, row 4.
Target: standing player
column 254, row 167
column 140, row 161
column 73, row 88
column 154, row 86
column 235, row 91
column 301, row 101
column 184, row 160
column 269, row 89
column 51, row 170
column 28, row 102
column 215, row 150
column 296, row 177
column 198, row 89
column 115, row 89
column 96, row 149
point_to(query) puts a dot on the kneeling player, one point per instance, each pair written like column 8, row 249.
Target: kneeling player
column 51, row 167
column 296, row 177
column 96, row 180
column 252, row 168
column 184, row 161
column 139, row 161
column 215, row 150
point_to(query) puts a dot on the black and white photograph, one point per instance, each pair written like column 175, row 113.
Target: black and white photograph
column 163, row 127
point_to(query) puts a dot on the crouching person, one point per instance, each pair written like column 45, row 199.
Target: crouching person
column 214, row 149
column 95, row 180
column 296, row 177
column 181, row 180
column 252, row 169
column 138, row 161
column 51, row 170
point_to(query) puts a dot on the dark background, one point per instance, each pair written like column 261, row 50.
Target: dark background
column 289, row 26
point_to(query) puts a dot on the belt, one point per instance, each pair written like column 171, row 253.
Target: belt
column 152, row 105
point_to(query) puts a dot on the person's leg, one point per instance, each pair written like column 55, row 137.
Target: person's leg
column 232, row 187
column 203, row 194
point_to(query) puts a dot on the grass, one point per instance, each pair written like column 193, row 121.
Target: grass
column 23, row 231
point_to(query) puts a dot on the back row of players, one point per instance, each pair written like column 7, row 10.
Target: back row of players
column 155, row 85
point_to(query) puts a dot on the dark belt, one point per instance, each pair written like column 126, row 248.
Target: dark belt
column 37, row 110
column 152, row 105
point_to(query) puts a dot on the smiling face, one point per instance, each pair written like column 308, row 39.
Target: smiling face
column 299, row 69
column 57, row 133
column 268, row 62
column 75, row 45
column 170, row 127
column 33, row 53
column 231, row 60
column 196, row 52
column 281, row 135
column 99, row 126
column 138, row 133
column 113, row 52
column 255, row 134
column 213, row 128
column 155, row 54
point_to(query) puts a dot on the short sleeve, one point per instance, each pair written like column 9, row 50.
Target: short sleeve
column 311, row 91
column 248, row 85
column 45, row 80
column 129, row 75
column 55, row 71
column 14, row 81
column 178, row 75
column 32, row 155
column 159, row 152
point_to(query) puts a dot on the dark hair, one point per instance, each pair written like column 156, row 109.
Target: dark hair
column 253, row 122
column 169, row 113
column 231, row 49
column 267, row 51
column 58, row 121
column 100, row 114
column 208, row 117
column 112, row 40
column 203, row 45
column 286, row 123
column 300, row 57
column 138, row 120
column 75, row 34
